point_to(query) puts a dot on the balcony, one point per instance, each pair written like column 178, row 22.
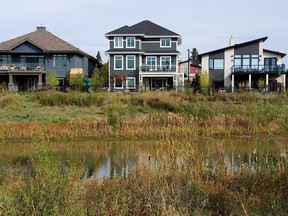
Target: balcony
column 25, row 67
column 276, row 69
column 158, row 69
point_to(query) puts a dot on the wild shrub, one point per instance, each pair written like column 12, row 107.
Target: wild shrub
column 8, row 101
column 52, row 98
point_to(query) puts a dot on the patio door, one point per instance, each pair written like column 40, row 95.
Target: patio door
column 270, row 64
column 158, row 83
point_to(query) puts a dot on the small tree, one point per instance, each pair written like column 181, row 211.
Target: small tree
column 205, row 83
column 104, row 74
column 261, row 84
column 98, row 57
column 194, row 57
column 52, row 79
column 97, row 80
column 78, row 82
column 204, row 79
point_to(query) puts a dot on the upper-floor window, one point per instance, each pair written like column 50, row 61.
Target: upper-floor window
column 216, row 64
column 118, row 42
column 130, row 62
column 165, row 62
column 130, row 42
column 59, row 60
column 5, row 60
column 151, row 63
column 118, row 62
column 165, row 42
column 246, row 61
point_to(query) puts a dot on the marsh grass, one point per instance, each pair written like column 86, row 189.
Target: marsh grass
column 179, row 180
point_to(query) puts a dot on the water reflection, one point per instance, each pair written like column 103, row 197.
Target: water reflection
column 108, row 159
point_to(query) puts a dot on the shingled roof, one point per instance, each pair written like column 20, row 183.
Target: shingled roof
column 145, row 28
column 43, row 39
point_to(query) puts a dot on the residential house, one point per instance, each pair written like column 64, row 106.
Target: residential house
column 26, row 60
column 193, row 69
column 144, row 56
column 245, row 65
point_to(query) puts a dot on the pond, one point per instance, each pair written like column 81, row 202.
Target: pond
column 108, row 159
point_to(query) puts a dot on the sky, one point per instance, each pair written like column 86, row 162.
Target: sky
column 206, row 25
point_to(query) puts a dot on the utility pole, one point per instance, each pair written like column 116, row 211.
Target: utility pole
column 188, row 70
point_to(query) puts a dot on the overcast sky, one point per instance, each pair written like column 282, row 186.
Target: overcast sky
column 205, row 24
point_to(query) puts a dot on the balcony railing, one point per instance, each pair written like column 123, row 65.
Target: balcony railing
column 259, row 69
column 23, row 67
column 158, row 69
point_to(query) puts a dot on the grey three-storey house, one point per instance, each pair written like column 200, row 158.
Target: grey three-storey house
column 144, row 56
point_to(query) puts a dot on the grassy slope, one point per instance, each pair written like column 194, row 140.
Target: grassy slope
column 76, row 115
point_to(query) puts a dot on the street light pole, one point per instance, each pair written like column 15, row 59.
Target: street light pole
column 188, row 70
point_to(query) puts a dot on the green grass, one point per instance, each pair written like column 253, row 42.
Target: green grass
column 175, row 114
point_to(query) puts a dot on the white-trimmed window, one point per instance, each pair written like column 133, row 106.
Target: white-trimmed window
column 130, row 62
column 165, row 62
column 130, row 82
column 118, row 62
column 151, row 62
column 130, row 42
column 118, row 42
column 118, row 85
column 165, row 42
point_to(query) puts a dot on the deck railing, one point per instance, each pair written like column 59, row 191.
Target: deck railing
column 258, row 69
column 23, row 67
column 158, row 68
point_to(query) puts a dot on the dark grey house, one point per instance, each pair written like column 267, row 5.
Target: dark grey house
column 244, row 65
column 144, row 56
column 25, row 60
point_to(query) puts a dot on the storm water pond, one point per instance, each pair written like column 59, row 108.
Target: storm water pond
column 108, row 159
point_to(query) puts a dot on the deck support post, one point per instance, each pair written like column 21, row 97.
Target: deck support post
column 249, row 83
column 267, row 83
column 284, row 82
column 39, row 84
column 233, row 83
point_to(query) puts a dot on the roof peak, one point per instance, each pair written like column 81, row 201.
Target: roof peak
column 145, row 27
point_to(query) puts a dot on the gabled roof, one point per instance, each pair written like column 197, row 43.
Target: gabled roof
column 144, row 28
column 44, row 40
column 275, row 52
column 235, row 46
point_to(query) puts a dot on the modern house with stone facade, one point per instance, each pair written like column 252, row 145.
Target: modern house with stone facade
column 245, row 65
column 26, row 60
column 144, row 56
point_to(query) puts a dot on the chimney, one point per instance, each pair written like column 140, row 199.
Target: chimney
column 41, row 28
column 231, row 41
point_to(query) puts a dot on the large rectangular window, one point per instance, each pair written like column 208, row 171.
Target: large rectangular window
column 130, row 42
column 59, row 60
column 216, row 64
column 151, row 63
column 5, row 60
column 165, row 42
column 165, row 62
column 246, row 62
column 130, row 62
column 118, row 62
column 118, row 42
column 130, row 83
